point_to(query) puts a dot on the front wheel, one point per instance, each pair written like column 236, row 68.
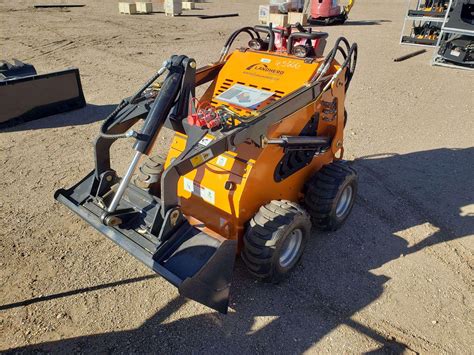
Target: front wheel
column 275, row 240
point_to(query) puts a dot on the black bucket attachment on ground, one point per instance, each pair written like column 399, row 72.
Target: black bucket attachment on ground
column 25, row 96
column 16, row 70
column 198, row 264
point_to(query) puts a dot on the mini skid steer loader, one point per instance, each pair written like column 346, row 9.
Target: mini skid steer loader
column 254, row 162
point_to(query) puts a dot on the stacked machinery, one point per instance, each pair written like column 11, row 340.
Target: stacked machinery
column 455, row 45
column 426, row 19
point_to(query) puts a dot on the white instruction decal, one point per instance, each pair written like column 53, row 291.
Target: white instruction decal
column 221, row 161
column 206, row 194
column 188, row 185
column 205, row 141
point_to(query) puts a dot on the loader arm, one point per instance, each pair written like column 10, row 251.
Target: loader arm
column 198, row 263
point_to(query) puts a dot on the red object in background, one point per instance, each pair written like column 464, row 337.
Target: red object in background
column 280, row 41
column 325, row 8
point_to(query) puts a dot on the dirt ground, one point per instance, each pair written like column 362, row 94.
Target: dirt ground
column 398, row 277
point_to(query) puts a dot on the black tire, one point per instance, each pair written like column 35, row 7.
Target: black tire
column 325, row 195
column 269, row 235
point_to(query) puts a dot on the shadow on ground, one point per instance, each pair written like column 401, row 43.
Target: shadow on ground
column 334, row 280
column 89, row 114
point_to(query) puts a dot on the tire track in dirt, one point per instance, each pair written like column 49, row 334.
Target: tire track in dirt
column 138, row 34
column 91, row 44
column 64, row 46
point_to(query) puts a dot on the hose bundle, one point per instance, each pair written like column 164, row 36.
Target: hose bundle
column 111, row 118
column 349, row 54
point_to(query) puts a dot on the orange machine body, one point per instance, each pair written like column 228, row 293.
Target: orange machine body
column 227, row 191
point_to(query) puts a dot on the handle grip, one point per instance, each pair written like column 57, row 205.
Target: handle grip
column 304, row 35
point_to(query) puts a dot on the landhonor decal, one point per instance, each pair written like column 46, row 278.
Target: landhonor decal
column 265, row 68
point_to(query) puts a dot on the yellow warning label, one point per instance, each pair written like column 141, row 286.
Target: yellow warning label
column 196, row 160
column 199, row 159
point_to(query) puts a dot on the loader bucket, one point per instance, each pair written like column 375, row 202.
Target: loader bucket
column 198, row 264
column 41, row 95
column 15, row 70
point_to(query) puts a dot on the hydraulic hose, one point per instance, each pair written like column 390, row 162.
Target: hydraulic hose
column 324, row 67
column 353, row 64
column 110, row 118
column 350, row 60
column 232, row 38
column 154, row 121
column 352, row 53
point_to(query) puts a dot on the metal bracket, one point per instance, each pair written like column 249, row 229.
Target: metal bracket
column 173, row 219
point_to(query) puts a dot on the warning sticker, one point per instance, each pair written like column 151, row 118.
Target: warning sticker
column 206, row 194
column 206, row 140
column 199, row 159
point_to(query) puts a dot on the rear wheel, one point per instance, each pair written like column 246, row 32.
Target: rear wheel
column 330, row 195
column 275, row 240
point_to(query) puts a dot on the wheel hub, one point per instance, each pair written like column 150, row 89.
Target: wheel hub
column 291, row 248
column 344, row 202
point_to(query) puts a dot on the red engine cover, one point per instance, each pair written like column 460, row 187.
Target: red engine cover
column 325, row 8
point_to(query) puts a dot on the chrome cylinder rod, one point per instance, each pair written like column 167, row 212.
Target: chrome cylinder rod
column 124, row 183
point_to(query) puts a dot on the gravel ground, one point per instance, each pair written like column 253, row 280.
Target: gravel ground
column 397, row 277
